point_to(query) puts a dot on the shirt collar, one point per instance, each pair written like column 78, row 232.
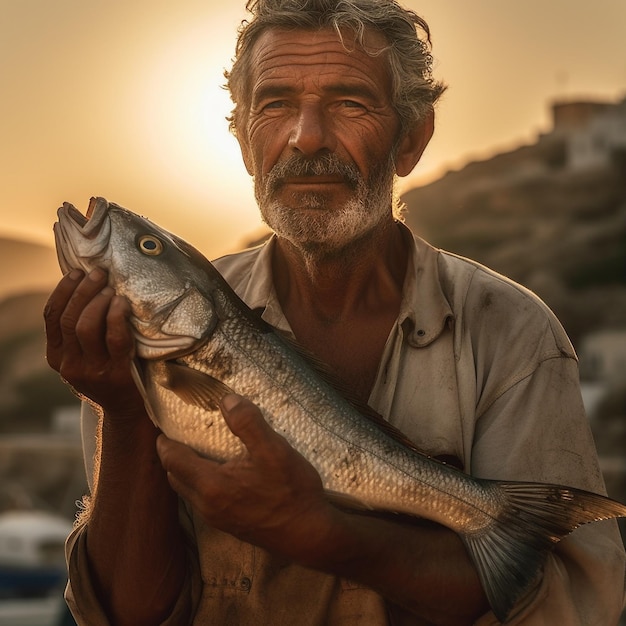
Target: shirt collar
column 260, row 294
column 424, row 310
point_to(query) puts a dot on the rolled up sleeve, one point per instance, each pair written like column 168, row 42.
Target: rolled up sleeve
column 83, row 601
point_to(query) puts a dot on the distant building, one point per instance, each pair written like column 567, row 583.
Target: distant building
column 595, row 132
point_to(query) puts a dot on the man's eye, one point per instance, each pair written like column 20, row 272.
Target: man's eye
column 352, row 104
column 276, row 104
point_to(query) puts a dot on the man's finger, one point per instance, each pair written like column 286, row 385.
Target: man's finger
column 89, row 287
column 55, row 306
column 188, row 473
column 119, row 338
column 91, row 325
column 246, row 422
column 103, row 329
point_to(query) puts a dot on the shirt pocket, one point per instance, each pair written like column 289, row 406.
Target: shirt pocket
column 226, row 563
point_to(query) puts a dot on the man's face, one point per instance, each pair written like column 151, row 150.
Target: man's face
column 319, row 137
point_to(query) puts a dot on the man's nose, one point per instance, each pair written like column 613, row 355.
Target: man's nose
column 312, row 131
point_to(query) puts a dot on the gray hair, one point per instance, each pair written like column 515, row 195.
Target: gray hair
column 414, row 90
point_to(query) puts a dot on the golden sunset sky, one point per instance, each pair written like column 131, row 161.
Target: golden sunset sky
column 123, row 99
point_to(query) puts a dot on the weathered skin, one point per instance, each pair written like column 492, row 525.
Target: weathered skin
column 196, row 341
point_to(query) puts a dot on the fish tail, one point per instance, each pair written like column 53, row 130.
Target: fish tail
column 510, row 552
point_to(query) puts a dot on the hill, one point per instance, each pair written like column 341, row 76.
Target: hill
column 29, row 390
column 558, row 231
column 26, row 266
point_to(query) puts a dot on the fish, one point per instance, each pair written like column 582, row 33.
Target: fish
column 196, row 341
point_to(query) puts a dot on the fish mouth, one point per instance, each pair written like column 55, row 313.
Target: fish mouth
column 81, row 238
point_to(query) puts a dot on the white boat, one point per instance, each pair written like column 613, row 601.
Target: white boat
column 32, row 562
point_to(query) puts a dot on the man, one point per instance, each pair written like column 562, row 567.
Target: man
column 332, row 100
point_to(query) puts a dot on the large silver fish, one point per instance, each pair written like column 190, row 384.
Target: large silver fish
column 196, row 340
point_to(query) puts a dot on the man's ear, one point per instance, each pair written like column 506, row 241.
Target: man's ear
column 413, row 145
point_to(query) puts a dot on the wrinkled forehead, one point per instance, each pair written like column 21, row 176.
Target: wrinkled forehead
column 280, row 50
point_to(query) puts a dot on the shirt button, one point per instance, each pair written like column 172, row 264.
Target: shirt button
column 421, row 333
column 245, row 583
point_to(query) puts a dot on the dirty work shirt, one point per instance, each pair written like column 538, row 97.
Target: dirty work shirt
column 475, row 367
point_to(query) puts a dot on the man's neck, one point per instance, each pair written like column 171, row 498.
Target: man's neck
column 369, row 275
column 342, row 308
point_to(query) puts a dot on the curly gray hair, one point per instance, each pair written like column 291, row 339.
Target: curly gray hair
column 415, row 91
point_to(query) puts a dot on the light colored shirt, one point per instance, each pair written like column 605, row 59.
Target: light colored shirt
column 475, row 367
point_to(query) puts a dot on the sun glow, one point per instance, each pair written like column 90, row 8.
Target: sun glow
column 182, row 115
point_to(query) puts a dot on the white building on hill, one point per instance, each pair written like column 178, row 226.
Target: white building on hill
column 596, row 132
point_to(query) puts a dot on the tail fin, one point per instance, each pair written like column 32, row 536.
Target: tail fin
column 510, row 553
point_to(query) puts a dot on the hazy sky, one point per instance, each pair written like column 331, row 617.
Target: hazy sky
column 122, row 99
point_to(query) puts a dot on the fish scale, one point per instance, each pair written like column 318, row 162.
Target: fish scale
column 196, row 341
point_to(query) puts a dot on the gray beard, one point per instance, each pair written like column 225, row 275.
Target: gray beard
column 321, row 231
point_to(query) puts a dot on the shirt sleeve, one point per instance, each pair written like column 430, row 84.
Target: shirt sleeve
column 537, row 431
column 81, row 597
column 79, row 592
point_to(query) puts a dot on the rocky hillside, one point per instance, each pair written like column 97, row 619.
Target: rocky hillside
column 558, row 232
column 29, row 390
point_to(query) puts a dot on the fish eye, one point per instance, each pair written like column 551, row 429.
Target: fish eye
column 150, row 245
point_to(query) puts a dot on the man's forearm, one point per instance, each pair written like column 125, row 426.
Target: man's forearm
column 423, row 568
column 134, row 540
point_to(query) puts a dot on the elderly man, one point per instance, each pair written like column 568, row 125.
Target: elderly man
column 332, row 101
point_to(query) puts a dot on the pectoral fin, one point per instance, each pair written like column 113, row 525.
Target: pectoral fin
column 192, row 386
column 345, row 501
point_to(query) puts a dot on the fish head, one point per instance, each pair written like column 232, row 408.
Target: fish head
column 168, row 290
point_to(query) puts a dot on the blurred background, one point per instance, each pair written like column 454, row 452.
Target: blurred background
column 526, row 173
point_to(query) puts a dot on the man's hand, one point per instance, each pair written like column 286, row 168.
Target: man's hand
column 89, row 341
column 271, row 497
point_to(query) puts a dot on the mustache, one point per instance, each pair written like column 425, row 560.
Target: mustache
column 323, row 165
